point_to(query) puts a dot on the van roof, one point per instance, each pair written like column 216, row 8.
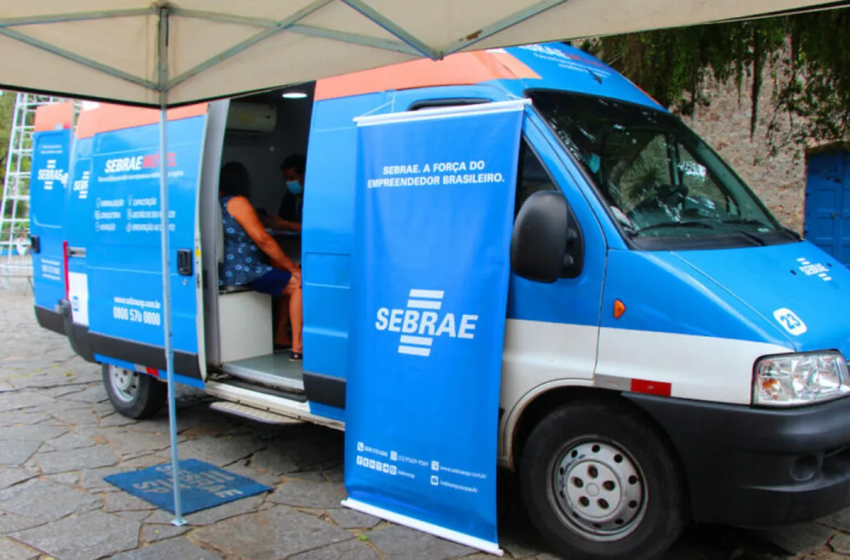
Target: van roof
column 554, row 66
column 515, row 69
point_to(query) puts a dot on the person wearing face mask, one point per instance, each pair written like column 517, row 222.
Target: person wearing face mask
column 290, row 211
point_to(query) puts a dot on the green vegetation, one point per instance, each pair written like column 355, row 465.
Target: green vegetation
column 806, row 56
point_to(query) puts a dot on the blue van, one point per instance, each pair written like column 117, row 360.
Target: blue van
column 682, row 358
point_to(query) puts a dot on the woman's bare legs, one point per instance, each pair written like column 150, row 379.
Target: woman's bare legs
column 282, row 337
column 293, row 294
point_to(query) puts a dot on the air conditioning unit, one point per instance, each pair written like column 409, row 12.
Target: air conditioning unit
column 251, row 118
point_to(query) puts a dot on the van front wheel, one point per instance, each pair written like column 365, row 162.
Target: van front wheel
column 599, row 484
column 132, row 394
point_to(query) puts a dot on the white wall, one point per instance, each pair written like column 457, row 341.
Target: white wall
column 262, row 154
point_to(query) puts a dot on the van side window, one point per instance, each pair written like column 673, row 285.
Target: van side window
column 531, row 176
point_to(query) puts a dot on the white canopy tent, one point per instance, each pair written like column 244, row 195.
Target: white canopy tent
column 108, row 49
column 164, row 54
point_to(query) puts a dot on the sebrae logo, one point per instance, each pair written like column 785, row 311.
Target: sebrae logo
column 138, row 163
column 421, row 322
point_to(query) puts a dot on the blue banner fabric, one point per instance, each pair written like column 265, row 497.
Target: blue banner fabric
column 433, row 219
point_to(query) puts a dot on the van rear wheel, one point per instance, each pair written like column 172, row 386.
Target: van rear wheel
column 599, row 484
column 133, row 394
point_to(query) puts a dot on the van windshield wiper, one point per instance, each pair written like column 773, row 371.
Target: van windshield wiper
column 750, row 221
column 749, row 235
column 686, row 223
column 747, row 222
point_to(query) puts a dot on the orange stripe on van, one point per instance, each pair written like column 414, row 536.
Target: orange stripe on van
column 108, row 117
column 54, row 116
column 455, row 70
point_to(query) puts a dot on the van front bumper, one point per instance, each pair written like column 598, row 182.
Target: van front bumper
column 755, row 467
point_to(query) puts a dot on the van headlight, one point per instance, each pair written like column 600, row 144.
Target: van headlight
column 798, row 379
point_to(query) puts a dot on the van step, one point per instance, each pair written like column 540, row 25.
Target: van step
column 252, row 413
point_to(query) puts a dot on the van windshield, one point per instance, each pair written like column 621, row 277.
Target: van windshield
column 664, row 186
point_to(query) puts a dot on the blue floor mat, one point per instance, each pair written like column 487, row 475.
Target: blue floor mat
column 202, row 486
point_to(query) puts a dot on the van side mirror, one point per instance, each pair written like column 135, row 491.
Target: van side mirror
column 543, row 245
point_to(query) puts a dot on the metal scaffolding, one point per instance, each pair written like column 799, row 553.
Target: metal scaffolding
column 15, row 259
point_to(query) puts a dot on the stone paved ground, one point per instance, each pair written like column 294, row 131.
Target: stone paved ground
column 59, row 437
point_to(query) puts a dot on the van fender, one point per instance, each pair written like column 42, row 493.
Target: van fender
column 78, row 335
column 510, row 421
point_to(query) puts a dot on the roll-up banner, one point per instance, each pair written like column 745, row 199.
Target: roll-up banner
column 433, row 217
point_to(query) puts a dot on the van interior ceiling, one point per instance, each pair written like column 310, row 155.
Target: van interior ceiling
column 259, row 131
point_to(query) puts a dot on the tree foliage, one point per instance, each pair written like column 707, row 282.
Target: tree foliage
column 807, row 56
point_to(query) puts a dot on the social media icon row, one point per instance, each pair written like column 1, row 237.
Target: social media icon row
column 376, row 465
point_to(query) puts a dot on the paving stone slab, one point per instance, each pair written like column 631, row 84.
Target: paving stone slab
column 349, row 550
column 83, row 537
column 76, row 459
column 10, row 550
column 10, row 522
column 839, row 520
column 270, row 535
column 160, row 424
column 93, row 478
column 134, row 515
column 18, row 452
column 121, row 501
column 10, row 476
column 257, row 475
column 16, row 400
column 47, row 501
column 154, row 533
column 840, row 543
column 25, row 418
column 30, row 433
column 57, row 392
column 68, row 478
column 218, row 451
column 80, row 416
column 43, row 381
column 133, row 443
column 798, row 539
column 274, row 460
column 94, row 394
column 401, row 543
column 174, row 549
column 319, row 449
column 215, row 514
column 301, row 493
column 314, row 476
column 116, row 421
column 335, row 474
column 519, row 548
column 351, row 519
column 68, row 442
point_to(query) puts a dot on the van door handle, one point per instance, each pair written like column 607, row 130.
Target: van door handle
column 184, row 262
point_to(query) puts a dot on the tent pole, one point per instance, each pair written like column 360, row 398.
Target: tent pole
column 162, row 63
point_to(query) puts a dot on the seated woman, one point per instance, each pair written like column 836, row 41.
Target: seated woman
column 252, row 258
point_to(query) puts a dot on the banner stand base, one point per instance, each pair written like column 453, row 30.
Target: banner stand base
column 437, row 531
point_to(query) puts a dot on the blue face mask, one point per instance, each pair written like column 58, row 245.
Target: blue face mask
column 294, row 187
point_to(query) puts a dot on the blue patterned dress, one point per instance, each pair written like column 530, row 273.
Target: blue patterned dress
column 244, row 262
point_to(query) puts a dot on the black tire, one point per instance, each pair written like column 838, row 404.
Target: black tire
column 592, row 441
column 143, row 400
